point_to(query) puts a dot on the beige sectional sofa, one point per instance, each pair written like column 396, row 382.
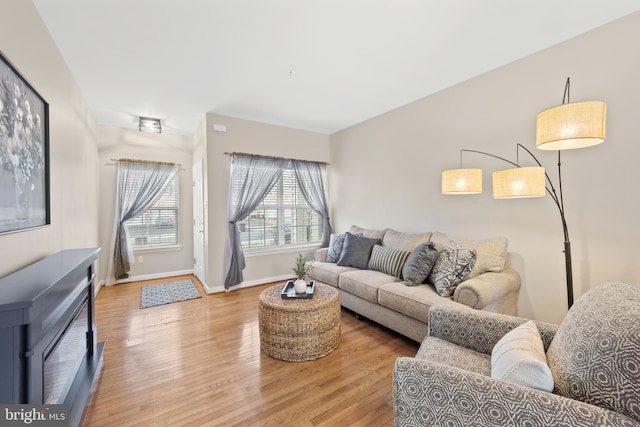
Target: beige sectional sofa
column 493, row 284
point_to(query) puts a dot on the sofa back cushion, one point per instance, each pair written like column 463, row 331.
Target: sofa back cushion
column 491, row 253
column 366, row 232
column 595, row 354
column 404, row 241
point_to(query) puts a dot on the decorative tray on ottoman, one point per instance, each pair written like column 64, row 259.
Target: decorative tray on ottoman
column 288, row 291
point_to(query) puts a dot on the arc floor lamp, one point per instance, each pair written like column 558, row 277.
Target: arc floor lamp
column 564, row 127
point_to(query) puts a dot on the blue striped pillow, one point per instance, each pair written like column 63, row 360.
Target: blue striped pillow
column 388, row 260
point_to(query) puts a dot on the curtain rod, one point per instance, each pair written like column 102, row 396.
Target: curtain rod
column 272, row 157
column 151, row 162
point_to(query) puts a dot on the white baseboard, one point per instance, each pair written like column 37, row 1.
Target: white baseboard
column 247, row 284
column 208, row 289
column 99, row 286
column 154, row 276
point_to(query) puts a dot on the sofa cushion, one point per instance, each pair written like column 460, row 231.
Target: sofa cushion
column 364, row 283
column 412, row 301
column 327, row 272
column 453, row 265
column 441, row 351
column 595, row 354
column 419, row 264
column 404, row 241
column 491, row 253
column 356, row 251
column 388, row 260
column 370, row 233
column 518, row 357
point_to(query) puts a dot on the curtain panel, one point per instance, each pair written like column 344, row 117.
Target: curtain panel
column 257, row 176
column 139, row 186
column 309, row 177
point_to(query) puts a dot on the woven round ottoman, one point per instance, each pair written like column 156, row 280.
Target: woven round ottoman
column 299, row 329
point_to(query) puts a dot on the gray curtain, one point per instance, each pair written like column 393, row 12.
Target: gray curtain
column 254, row 176
column 309, row 177
column 139, row 186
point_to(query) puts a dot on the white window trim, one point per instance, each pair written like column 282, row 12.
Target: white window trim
column 166, row 248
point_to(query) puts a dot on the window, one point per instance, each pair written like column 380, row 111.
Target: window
column 158, row 225
column 283, row 218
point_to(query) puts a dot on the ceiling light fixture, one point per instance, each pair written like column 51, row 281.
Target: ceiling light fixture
column 148, row 124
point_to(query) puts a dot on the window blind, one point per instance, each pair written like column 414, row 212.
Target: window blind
column 157, row 226
column 283, row 218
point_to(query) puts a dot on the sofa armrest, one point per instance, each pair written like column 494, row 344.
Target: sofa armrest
column 320, row 254
column 431, row 394
column 478, row 330
column 491, row 291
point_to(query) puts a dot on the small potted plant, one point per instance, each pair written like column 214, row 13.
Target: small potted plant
column 301, row 269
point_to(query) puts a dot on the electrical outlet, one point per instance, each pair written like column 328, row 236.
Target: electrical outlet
column 140, row 259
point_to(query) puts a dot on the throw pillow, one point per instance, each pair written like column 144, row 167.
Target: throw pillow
column 419, row 264
column 453, row 265
column 336, row 243
column 519, row 358
column 356, row 251
column 388, row 260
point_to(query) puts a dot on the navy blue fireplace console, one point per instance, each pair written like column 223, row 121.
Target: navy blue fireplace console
column 48, row 345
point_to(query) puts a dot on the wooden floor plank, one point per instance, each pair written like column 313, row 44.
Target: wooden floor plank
column 198, row 363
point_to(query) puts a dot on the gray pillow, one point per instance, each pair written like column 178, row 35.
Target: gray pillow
column 356, row 251
column 454, row 264
column 419, row 264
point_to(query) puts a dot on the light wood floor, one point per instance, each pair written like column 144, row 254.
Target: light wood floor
column 198, row 363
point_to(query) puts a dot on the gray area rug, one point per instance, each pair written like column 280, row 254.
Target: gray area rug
column 166, row 293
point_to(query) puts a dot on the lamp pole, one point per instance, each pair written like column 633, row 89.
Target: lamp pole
column 559, row 202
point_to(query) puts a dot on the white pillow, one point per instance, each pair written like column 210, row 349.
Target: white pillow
column 519, row 358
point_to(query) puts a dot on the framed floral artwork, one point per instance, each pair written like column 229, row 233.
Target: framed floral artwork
column 24, row 153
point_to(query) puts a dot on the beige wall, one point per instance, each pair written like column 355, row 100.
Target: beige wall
column 118, row 143
column 255, row 138
column 26, row 42
column 386, row 171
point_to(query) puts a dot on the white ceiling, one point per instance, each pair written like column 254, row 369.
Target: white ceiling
column 320, row 65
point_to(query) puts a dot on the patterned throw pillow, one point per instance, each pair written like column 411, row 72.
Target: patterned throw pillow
column 419, row 264
column 388, row 260
column 519, row 358
column 335, row 247
column 454, row 264
column 356, row 251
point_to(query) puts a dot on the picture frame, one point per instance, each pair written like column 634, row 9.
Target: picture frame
column 24, row 153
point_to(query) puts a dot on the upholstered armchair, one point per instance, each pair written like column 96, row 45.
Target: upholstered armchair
column 593, row 357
